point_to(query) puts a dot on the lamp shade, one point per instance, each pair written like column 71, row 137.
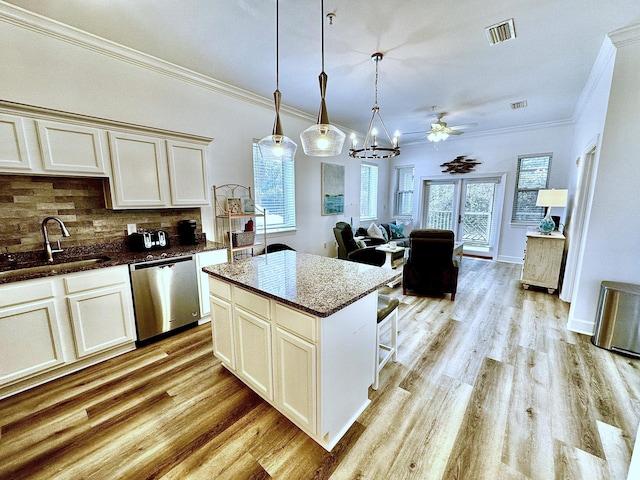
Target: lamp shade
column 277, row 147
column 552, row 198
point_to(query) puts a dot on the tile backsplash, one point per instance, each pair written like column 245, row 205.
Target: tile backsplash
column 79, row 202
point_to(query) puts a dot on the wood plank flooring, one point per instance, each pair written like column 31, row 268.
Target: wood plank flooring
column 491, row 386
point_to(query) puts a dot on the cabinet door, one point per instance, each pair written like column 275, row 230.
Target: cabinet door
column 222, row 331
column 30, row 340
column 295, row 372
column 14, row 155
column 542, row 261
column 139, row 171
column 71, row 148
column 187, row 174
column 101, row 319
column 253, row 352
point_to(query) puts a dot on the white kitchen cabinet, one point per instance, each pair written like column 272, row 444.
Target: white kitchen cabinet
column 187, row 174
column 212, row 257
column 295, row 378
column 101, row 309
column 14, row 153
column 222, row 331
column 30, row 338
column 139, row 171
column 543, row 260
column 253, row 351
column 53, row 326
column 73, row 149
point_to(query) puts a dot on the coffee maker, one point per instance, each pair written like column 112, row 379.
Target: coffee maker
column 187, row 232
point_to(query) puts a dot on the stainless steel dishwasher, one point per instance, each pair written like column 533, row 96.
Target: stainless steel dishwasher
column 165, row 295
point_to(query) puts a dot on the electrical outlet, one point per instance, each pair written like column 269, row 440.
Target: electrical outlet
column 131, row 228
column 325, row 246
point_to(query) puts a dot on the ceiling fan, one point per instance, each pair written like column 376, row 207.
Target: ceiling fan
column 440, row 131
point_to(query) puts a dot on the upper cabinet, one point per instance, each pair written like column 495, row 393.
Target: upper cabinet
column 68, row 148
column 14, row 155
column 144, row 167
column 187, row 174
column 140, row 177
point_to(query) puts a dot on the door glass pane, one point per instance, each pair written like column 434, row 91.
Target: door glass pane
column 477, row 221
column 440, row 206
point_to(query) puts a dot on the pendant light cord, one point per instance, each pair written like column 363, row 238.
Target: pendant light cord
column 322, row 36
column 277, row 44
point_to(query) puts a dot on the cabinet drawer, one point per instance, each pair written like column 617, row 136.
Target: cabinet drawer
column 104, row 277
column 252, row 302
column 219, row 288
column 24, row 292
column 296, row 322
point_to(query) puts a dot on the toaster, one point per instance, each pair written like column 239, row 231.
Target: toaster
column 155, row 240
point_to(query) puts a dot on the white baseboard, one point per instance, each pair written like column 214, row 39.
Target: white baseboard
column 507, row 259
column 584, row 327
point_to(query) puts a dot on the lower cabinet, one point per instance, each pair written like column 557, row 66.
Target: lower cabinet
column 92, row 294
column 30, row 337
column 253, row 351
column 222, row 330
column 295, row 376
column 50, row 327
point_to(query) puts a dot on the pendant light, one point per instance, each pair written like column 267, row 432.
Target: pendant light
column 370, row 148
column 322, row 139
column 277, row 147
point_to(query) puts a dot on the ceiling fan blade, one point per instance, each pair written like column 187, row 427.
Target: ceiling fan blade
column 455, row 132
column 462, row 127
column 415, row 133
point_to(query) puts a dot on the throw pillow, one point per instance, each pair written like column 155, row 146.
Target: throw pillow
column 361, row 244
column 397, row 231
column 374, row 231
column 347, row 237
column 385, row 234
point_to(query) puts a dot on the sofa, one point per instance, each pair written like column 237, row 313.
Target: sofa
column 389, row 232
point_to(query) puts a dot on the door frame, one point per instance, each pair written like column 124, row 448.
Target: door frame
column 499, row 199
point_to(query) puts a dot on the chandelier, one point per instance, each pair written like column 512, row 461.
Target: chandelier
column 370, row 148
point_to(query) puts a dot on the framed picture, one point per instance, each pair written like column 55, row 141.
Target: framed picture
column 332, row 189
column 234, row 205
column 249, row 205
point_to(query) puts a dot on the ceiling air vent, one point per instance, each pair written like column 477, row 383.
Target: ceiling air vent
column 500, row 32
column 517, row 105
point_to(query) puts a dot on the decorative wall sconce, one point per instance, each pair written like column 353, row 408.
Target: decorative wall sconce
column 460, row 164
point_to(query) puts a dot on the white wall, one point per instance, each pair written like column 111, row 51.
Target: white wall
column 39, row 69
column 613, row 227
column 498, row 153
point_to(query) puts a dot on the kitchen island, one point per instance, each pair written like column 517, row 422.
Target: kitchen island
column 300, row 330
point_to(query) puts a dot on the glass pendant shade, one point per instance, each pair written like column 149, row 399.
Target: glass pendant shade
column 277, row 147
column 322, row 139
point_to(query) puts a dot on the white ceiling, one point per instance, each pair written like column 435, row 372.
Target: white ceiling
column 436, row 52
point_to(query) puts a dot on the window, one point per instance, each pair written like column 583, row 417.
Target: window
column 368, row 191
column 274, row 192
column 533, row 175
column 403, row 192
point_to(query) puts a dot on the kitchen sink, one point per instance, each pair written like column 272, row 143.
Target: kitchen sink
column 53, row 267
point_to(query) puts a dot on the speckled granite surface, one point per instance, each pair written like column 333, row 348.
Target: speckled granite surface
column 112, row 254
column 317, row 285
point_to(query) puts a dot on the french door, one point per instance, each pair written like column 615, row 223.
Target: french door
column 470, row 207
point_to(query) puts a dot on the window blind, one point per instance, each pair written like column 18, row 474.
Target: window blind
column 368, row 191
column 533, row 175
column 404, row 192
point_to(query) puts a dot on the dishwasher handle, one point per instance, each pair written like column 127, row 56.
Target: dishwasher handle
column 160, row 263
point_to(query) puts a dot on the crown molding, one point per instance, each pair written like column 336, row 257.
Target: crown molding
column 625, row 36
column 51, row 28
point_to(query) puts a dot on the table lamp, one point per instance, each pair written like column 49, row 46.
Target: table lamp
column 550, row 198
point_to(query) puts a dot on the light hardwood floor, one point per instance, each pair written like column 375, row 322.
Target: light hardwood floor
column 491, row 386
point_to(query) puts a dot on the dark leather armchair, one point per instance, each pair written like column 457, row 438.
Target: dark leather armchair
column 430, row 269
column 348, row 248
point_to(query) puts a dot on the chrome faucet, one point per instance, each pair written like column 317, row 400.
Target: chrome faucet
column 48, row 252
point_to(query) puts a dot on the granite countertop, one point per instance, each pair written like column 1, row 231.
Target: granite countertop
column 110, row 254
column 317, row 285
